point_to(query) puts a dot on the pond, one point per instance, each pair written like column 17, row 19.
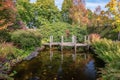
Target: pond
column 56, row 65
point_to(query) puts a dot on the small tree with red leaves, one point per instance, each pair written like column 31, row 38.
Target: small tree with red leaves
column 7, row 13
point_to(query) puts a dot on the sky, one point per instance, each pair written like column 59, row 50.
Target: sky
column 91, row 4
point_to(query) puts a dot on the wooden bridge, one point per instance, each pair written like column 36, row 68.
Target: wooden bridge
column 73, row 43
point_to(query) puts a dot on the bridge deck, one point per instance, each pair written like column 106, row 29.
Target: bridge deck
column 65, row 44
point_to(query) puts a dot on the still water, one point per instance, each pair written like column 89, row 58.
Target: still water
column 56, row 65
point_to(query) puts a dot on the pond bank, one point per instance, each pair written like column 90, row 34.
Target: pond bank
column 35, row 53
column 6, row 65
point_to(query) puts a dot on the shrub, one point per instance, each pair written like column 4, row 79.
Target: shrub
column 94, row 37
column 26, row 39
column 109, row 51
column 7, row 50
column 4, row 36
column 59, row 29
column 9, row 55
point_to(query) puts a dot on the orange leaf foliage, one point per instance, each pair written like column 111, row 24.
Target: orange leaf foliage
column 78, row 12
column 7, row 13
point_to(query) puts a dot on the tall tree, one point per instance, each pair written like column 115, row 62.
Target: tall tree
column 48, row 10
column 78, row 13
column 7, row 13
column 37, row 14
column 25, row 13
column 114, row 9
column 67, row 4
column 99, row 17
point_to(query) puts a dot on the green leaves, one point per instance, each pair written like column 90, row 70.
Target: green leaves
column 109, row 51
column 26, row 39
column 59, row 29
column 39, row 13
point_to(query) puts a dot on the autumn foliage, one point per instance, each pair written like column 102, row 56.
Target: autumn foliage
column 94, row 37
column 8, row 13
column 114, row 9
column 78, row 12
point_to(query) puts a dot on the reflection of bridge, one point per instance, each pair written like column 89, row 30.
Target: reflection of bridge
column 74, row 56
column 73, row 43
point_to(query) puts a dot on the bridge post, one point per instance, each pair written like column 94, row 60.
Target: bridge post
column 51, row 40
column 88, row 39
column 88, row 42
column 85, row 39
column 62, row 40
column 75, row 43
column 73, row 39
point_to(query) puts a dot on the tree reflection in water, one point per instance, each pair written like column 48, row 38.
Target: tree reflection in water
column 55, row 65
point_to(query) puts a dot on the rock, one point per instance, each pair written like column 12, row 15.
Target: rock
column 35, row 53
column 32, row 55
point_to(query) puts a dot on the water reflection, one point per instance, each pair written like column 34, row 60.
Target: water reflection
column 55, row 65
column 51, row 54
column 74, row 56
column 90, row 70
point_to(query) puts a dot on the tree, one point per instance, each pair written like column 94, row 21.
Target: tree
column 47, row 10
column 25, row 13
column 7, row 13
column 37, row 14
column 78, row 13
column 114, row 9
column 99, row 17
column 67, row 4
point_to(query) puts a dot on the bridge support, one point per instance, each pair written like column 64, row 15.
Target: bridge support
column 73, row 43
column 62, row 40
column 51, row 41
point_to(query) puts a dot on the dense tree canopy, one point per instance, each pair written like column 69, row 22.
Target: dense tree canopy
column 47, row 9
column 25, row 12
column 78, row 12
column 114, row 9
column 39, row 13
column 7, row 13
column 99, row 17
column 67, row 4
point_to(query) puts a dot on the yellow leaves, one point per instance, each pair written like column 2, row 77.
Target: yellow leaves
column 113, row 23
column 118, row 21
column 112, row 5
column 114, row 8
column 98, row 18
